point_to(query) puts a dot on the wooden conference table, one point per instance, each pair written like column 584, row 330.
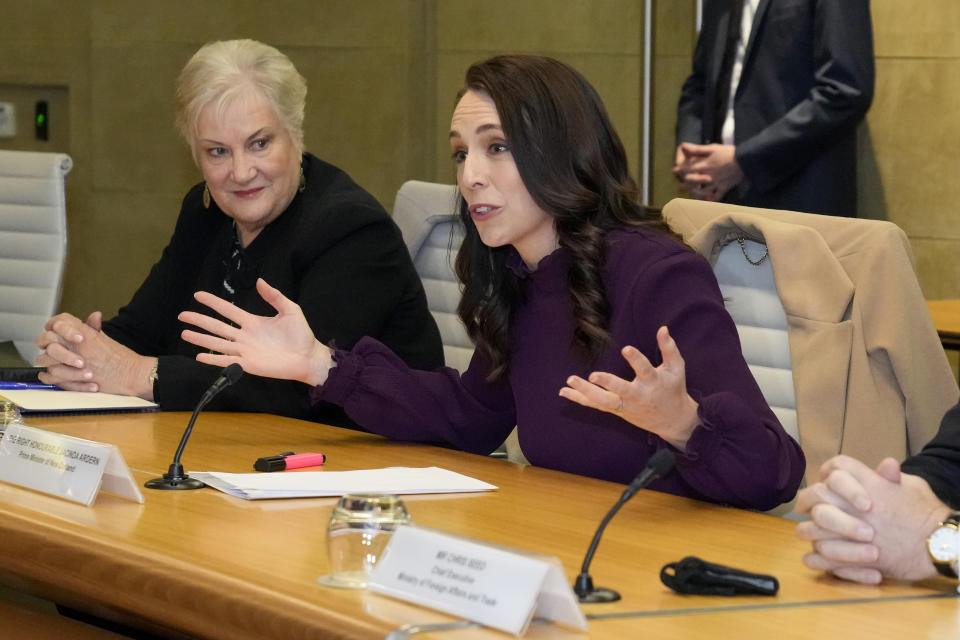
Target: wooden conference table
column 207, row 565
column 946, row 318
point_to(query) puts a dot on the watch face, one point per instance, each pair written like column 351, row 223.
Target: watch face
column 943, row 544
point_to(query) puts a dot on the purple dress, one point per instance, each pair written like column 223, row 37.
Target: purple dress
column 739, row 455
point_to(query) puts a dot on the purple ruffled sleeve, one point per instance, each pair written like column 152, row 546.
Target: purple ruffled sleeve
column 739, row 454
column 385, row 396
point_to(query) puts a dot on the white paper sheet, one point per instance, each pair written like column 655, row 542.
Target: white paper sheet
column 306, row 484
column 44, row 400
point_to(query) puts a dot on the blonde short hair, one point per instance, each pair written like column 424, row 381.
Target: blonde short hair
column 220, row 72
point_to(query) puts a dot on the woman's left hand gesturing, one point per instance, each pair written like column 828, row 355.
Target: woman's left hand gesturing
column 280, row 346
column 655, row 400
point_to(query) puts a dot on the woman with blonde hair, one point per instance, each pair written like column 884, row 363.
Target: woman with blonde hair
column 266, row 209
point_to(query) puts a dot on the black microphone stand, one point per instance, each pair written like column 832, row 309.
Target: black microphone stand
column 660, row 462
column 175, row 479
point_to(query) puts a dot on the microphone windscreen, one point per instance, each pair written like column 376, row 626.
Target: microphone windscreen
column 232, row 373
column 661, row 462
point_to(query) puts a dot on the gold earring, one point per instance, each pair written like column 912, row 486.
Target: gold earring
column 206, row 196
column 303, row 181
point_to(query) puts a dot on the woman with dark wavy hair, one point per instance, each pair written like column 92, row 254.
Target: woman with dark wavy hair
column 569, row 286
column 573, row 165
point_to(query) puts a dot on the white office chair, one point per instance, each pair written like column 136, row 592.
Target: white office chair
column 33, row 243
column 426, row 215
column 750, row 297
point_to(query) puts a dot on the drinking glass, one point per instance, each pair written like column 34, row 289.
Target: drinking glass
column 359, row 529
column 9, row 414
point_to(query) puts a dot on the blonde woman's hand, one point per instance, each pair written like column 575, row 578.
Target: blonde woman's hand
column 281, row 346
column 78, row 356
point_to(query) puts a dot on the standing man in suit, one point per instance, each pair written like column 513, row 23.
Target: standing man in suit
column 768, row 117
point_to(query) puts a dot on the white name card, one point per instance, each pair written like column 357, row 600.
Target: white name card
column 492, row 585
column 64, row 466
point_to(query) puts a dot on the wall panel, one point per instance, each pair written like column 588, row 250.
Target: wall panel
column 382, row 76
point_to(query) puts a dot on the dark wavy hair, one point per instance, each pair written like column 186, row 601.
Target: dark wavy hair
column 574, row 166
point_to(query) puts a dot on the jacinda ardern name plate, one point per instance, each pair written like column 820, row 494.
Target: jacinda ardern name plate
column 64, row 466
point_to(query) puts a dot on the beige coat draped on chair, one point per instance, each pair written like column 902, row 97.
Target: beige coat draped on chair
column 870, row 375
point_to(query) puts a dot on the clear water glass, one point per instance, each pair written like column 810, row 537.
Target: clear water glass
column 359, row 530
column 9, row 414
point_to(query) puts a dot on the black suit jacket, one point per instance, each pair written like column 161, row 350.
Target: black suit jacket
column 807, row 81
column 939, row 462
column 334, row 251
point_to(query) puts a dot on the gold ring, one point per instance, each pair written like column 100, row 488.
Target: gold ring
column 619, row 406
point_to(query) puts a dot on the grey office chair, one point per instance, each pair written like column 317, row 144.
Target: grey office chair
column 426, row 215
column 750, row 296
column 33, row 243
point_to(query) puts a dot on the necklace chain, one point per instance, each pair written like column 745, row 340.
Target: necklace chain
column 743, row 248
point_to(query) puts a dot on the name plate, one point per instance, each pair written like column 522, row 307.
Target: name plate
column 64, row 466
column 495, row 586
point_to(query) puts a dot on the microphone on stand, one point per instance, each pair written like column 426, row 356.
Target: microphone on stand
column 660, row 463
column 175, row 478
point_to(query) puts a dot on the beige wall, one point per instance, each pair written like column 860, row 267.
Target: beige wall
column 119, row 60
column 382, row 76
column 674, row 40
column 910, row 160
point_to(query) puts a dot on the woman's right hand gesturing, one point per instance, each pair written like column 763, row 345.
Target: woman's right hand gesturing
column 279, row 347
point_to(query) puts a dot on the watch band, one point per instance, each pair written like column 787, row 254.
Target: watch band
column 949, row 569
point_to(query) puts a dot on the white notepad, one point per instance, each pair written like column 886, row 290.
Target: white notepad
column 53, row 401
column 309, row 484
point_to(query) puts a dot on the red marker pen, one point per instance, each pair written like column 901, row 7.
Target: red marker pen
column 289, row 460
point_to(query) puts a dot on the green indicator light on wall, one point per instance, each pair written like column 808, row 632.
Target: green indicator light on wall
column 41, row 120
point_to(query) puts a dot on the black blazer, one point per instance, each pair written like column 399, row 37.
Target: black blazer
column 334, row 251
column 939, row 462
column 807, row 81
